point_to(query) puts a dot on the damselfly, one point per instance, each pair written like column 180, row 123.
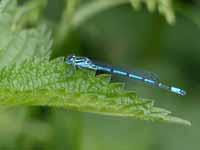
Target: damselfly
column 84, row 62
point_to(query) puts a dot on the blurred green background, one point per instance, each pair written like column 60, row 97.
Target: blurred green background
column 123, row 37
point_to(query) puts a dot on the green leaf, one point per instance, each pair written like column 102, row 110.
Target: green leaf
column 90, row 9
column 30, row 13
column 164, row 7
column 190, row 12
column 136, row 4
column 41, row 82
column 76, row 14
column 18, row 45
column 7, row 6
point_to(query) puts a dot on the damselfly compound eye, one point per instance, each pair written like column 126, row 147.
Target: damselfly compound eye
column 70, row 59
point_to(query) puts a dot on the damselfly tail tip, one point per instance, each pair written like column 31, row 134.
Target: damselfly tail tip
column 178, row 91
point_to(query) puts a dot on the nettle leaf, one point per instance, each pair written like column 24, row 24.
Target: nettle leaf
column 163, row 6
column 29, row 78
column 16, row 46
column 41, row 82
column 7, row 6
column 90, row 9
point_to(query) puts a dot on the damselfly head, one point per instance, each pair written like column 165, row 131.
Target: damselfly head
column 70, row 59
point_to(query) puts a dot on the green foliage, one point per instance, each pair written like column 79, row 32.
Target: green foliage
column 192, row 13
column 164, row 7
column 75, row 14
column 88, row 10
column 29, row 13
column 18, row 45
column 40, row 82
column 27, row 77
